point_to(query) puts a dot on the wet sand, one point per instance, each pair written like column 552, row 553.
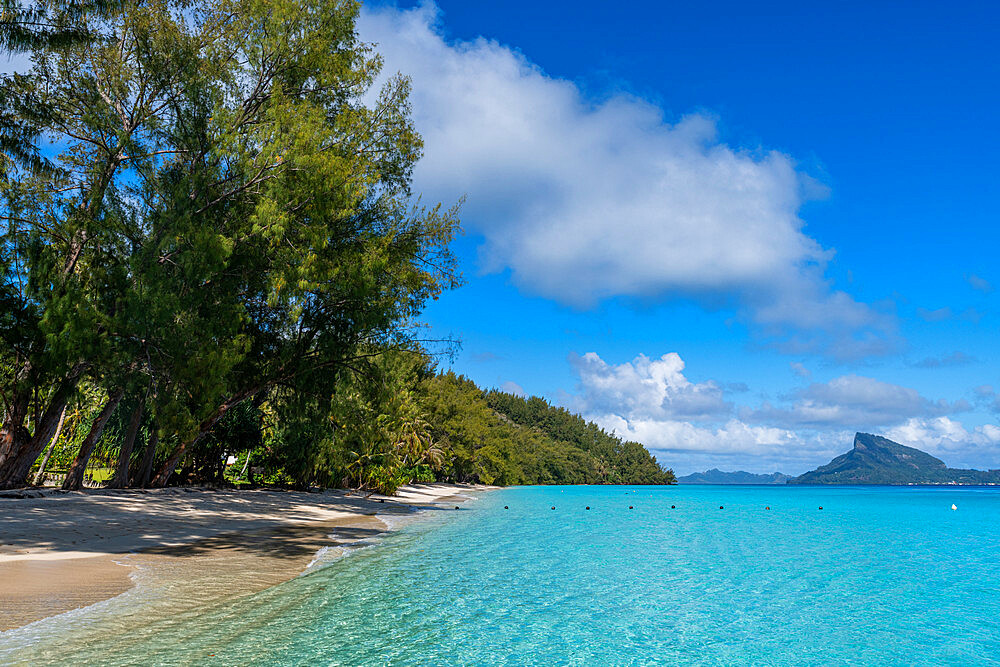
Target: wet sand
column 34, row 589
column 65, row 551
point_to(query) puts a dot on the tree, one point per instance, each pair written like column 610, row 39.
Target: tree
column 226, row 215
column 57, row 24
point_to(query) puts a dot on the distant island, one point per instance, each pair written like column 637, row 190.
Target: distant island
column 878, row 460
column 716, row 476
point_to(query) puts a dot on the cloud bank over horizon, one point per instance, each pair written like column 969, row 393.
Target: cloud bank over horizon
column 585, row 201
column 691, row 425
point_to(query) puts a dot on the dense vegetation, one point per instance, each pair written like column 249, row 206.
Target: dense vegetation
column 210, row 253
column 499, row 438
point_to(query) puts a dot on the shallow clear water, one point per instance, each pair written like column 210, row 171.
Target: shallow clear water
column 878, row 576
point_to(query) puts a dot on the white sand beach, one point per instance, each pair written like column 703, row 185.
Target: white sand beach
column 62, row 551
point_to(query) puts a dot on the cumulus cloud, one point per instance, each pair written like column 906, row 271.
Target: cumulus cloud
column 586, row 201
column 687, row 424
column 863, row 402
column 951, row 441
column 512, row 388
column 732, row 445
column 677, row 436
column 690, row 425
column 645, row 388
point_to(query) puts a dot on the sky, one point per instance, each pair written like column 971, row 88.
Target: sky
column 737, row 233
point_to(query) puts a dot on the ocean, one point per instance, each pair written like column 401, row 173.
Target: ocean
column 693, row 575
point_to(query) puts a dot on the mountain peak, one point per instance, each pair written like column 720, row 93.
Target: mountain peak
column 878, row 460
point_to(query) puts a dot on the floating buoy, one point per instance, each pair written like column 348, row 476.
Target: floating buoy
column 821, row 507
column 588, row 506
column 768, row 507
column 630, row 507
column 673, row 507
column 721, row 507
column 954, row 506
column 456, row 506
column 553, row 507
column 505, row 507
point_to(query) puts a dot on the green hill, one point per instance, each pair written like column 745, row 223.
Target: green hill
column 878, row 460
column 499, row 438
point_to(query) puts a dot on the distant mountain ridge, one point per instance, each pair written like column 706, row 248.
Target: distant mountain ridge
column 878, row 460
column 716, row 476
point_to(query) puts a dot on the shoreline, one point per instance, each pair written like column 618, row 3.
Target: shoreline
column 67, row 551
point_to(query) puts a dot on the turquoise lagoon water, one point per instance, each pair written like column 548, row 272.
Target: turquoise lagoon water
column 880, row 575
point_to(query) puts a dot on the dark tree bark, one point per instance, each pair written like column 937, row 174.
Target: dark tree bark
column 74, row 477
column 146, row 467
column 40, row 475
column 167, row 469
column 120, row 480
column 15, row 469
column 14, row 435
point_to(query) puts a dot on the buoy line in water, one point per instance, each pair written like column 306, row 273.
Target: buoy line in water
column 721, row 507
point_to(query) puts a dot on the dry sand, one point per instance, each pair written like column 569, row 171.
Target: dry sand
column 63, row 551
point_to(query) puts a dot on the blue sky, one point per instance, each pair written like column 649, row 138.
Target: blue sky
column 737, row 233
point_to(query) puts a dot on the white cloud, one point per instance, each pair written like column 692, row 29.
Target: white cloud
column 692, row 427
column 586, row 201
column 732, row 445
column 512, row 388
column 679, row 436
column 651, row 401
column 853, row 401
column 951, row 441
column 645, row 389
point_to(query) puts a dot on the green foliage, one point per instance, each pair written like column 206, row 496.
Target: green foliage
column 52, row 24
column 498, row 438
column 226, row 215
column 618, row 461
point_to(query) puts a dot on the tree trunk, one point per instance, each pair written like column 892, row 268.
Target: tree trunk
column 246, row 465
column 15, row 470
column 74, row 476
column 167, row 469
column 40, row 475
column 120, row 480
column 14, row 435
column 146, row 467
